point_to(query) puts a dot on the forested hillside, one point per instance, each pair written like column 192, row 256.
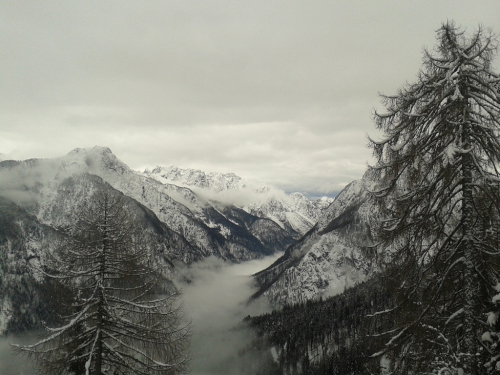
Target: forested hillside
column 334, row 254
column 330, row 336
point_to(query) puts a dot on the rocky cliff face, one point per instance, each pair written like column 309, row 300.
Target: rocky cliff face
column 334, row 254
column 40, row 199
column 293, row 212
column 207, row 227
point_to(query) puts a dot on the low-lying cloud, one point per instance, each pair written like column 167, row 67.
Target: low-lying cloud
column 12, row 364
column 251, row 194
column 216, row 297
column 21, row 183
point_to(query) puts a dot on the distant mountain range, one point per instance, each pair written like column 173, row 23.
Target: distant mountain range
column 293, row 212
column 201, row 207
column 187, row 214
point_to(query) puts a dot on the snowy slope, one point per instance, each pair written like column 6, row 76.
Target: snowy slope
column 182, row 210
column 293, row 212
column 330, row 257
column 39, row 198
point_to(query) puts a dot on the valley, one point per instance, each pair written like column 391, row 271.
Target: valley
column 215, row 296
column 249, row 188
column 210, row 232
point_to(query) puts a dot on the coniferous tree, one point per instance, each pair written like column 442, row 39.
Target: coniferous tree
column 437, row 169
column 122, row 320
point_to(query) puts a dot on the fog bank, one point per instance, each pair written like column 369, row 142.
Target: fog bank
column 12, row 364
column 216, row 297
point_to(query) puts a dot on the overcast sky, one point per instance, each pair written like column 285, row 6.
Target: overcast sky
column 277, row 91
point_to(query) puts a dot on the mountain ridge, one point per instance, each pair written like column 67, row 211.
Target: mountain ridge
column 209, row 226
column 184, row 224
column 294, row 212
column 181, row 209
column 333, row 255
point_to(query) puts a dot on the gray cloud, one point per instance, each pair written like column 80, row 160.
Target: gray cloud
column 281, row 91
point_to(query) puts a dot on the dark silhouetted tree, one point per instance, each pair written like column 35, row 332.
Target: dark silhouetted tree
column 438, row 184
column 122, row 320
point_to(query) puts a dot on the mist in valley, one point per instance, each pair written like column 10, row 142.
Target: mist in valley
column 15, row 364
column 215, row 298
column 216, row 295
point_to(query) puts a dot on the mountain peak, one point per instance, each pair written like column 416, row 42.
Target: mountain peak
column 102, row 150
column 77, row 151
column 94, row 150
column 214, row 181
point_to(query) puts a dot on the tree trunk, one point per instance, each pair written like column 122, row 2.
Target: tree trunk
column 100, row 314
column 470, row 287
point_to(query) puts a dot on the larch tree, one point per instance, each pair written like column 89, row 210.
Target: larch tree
column 121, row 320
column 438, row 186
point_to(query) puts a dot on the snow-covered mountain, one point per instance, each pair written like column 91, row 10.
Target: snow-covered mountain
column 213, row 181
column 218, row 214
column 209, row 229
column 202, row 215
column 332, row 256
column 293, row 212
column 25, row 242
